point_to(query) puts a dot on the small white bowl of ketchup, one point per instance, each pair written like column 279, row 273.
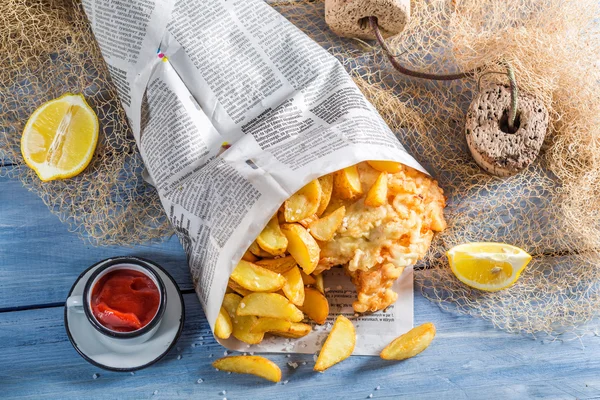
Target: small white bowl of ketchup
column 124, row 300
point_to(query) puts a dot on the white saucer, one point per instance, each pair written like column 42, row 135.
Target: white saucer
column 85, row 339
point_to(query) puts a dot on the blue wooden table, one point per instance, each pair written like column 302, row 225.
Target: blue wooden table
column 40, row 259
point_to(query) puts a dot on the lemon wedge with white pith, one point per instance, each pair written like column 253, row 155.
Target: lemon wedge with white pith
column 60, row 137
column 488, row 266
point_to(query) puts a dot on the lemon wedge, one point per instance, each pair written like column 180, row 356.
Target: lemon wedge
column 487, row 266
column 60, row 137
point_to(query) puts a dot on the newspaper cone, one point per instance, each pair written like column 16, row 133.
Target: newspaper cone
column 235, row 112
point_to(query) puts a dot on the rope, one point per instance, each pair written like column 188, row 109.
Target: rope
column 423, row 75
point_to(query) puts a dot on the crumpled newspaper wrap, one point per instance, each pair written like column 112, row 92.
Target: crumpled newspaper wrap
column 552, row 209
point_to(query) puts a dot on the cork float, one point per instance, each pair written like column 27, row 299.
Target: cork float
column 349, row 18
column 495, row 147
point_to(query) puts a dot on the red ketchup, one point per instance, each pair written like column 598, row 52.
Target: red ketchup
column 125, row 300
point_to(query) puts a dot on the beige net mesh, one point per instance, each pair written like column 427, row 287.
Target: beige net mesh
column 552, row 209
column 47, row 49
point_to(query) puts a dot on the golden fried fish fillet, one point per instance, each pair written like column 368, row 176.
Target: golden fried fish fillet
column 375, row 244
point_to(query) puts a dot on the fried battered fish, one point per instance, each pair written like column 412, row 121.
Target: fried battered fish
column 376, row 244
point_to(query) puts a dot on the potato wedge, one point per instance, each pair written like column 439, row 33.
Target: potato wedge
column 297, row 330
column 315, row 306
column 346, row 183
column 281, row 217
column 294, row 286
column 271, row 239
column 241, row 324
column 256, row 278
column 223, row 326
column 324, row 229
column 269, row 305
column 249, row 256
column 302, row 246
column 280, row 265
column 326, row 188
column 307, row 221
column 319, row 285
column 304, row 202
column 253, row 365
column 410, row 344
column 377, row 195
column 266, row 324
column 338, row 346
column 258, row 251
column 391, row 167
column 308, row 280
column 238, row 288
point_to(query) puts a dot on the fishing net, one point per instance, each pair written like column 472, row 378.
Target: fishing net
column 48, row 49
column 552, row 209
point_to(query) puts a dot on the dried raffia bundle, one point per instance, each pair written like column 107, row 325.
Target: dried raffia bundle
column 47, row 50
column 552, row 208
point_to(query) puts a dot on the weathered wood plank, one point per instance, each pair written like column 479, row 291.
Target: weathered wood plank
column 40, row 259
column 468, row 359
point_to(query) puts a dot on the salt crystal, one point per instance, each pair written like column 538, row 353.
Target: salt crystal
column 224, row 398
column 155, row 392
column 95, row 376
column 225, row 353
column 210, row 355
column 224, row 392
column 370, row 396
column 179, row 357
column 229, row 373
column 251, row 353
column 288, row 355
column 303, row 362
column 242, row 305
column 193, row 344
column 200, row 380
column 315, row 357
column 308, row 230
column 245, row 354
column 132, row 373
column 327, row 289
column 285, row 382
column 378, row 387
column 293, row 364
